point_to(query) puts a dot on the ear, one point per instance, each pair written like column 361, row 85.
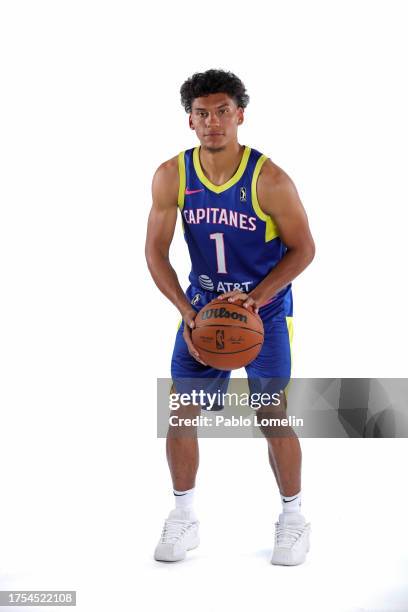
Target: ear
column 190, row 122
column 240, row 115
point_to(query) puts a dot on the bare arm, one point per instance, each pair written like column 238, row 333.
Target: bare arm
column 160, row 232
column 278, row 198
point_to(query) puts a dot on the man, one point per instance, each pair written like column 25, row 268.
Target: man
column 248, row 238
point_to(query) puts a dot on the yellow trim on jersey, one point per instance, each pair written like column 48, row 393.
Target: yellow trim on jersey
column 182, row 179
column 271, row 229
column 234, row 179
column 173, row 388
column 289, row 323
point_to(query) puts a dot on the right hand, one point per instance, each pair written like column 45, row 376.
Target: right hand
column 189, row 324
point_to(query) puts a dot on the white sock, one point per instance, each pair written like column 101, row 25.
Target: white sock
column 292, row 503
column 184, row 499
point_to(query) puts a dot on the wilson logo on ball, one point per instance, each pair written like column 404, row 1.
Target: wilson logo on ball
column 222, row 313
column 227, row 336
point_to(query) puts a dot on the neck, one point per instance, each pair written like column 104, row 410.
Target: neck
column 219, row 165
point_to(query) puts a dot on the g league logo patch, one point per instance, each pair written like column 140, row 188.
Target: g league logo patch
column 196, row 299
column 242, row 194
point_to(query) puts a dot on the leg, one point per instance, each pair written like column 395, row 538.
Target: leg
column 285, row 455
column 182, row 450
column 285, row 459
column 180, row 531
column 284, row 451
column 270, row 372
column 188, row 375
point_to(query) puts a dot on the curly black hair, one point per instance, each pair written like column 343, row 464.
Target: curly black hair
column 213, row 81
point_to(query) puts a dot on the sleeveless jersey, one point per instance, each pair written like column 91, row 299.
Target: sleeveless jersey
column 232, row 243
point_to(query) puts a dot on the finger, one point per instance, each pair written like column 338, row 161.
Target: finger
column 189, row 321
column 227, row 294
column 191, row 348
column 237, row 296
column 193, row 351
column 199, row 360
column 223, row 296
column 249, row 303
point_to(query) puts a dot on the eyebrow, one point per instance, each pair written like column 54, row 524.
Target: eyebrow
column 219, row 106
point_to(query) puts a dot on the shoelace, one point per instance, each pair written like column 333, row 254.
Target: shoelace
column 286, row 535
column 174, row 530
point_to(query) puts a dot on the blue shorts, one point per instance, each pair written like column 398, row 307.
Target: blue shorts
column 269, row 372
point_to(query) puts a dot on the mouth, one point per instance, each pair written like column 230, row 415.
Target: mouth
column 214, row 134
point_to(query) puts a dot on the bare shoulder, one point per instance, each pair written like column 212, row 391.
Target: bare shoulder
column 165, row 183
column 276, row 191
column 167, row 173
column 273, row 176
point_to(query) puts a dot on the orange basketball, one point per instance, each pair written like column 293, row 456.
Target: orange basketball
column 227, row 335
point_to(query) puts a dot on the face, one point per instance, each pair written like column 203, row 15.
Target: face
column 215, row 119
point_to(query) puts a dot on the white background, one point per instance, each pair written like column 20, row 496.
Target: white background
column 89, row 108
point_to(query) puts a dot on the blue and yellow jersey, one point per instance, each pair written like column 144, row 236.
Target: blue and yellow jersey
column 233, row 244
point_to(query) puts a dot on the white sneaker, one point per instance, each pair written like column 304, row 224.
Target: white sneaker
column 292, row 540
column 180, row 533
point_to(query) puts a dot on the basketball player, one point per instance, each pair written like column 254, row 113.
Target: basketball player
column 248, row 238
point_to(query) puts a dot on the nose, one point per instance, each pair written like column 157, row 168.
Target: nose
column 212, row 120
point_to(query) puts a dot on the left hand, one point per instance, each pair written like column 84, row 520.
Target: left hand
column 233, row 296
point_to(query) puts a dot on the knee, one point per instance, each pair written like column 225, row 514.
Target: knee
column 276, row 410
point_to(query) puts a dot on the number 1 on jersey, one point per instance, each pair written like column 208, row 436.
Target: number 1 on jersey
column 220, row 252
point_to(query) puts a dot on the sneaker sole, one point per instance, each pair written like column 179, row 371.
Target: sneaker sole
column 302, row 560
column 194, row 545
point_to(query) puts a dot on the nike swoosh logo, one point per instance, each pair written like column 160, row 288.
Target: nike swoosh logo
column 286, row 501
column 190, row 191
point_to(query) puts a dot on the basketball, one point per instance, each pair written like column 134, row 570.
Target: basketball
column 227, row 335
